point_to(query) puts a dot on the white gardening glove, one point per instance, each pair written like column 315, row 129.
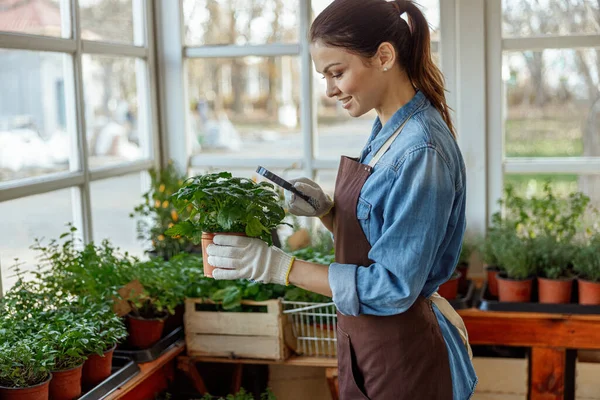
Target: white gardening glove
column 242, row 257
column 302, row 208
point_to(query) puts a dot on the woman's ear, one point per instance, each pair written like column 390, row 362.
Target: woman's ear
column 385, row 58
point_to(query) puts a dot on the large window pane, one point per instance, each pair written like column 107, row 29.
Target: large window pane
column 41, row 17
column 523, row 18
column 553, row 101
column 36, row 126
column 240, row 22
column 107, row 20
column 23, row 220
column 245, row 107
column 113, row 200
column 111, row 110
column 529, row 185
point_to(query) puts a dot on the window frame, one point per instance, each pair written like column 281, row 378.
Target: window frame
column 500, row 164
column 75, row 47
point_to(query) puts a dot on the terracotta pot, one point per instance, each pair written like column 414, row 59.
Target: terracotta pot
column 492, row 272
column 589, row 292
column 449, row 289
column 207, row 238
column 37, row 392
column 463, row 283
column 97, row 368
column 514, row 290
column 144, row 333
column 66, row 384
column 555, row 291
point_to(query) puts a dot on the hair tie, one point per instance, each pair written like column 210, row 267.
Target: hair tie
column 400, row 6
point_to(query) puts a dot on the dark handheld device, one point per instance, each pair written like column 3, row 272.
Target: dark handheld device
column 286, row 185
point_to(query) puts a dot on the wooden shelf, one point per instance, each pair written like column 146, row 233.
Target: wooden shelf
column 293, row 360
column 152, row 375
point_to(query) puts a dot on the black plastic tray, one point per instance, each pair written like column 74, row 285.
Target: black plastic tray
column 464, row 300
column 123, row 369
column 488, row 302
column 151, row 354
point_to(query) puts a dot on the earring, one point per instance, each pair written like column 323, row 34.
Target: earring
column 385, row 69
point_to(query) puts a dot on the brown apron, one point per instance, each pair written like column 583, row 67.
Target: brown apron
column 398, row 357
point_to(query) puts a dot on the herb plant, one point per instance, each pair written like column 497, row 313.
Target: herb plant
column 157, row 213
column 219, row 202
column 551, row 258
column 586, row 261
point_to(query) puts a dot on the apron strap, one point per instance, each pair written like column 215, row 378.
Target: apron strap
column 451, row 315
column 387, row 144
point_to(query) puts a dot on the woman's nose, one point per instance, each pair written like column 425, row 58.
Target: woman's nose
column 332, row 90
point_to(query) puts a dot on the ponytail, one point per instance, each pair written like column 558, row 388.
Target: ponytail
column 421, row 69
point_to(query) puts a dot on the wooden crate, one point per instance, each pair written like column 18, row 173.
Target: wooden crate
column 263, row 335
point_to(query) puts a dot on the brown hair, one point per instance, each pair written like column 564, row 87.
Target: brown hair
column 360, row 26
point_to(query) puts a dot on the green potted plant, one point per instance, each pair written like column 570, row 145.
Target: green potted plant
column 157, row 213
column 586, row 263
column 109, row 330
column 68, row 335
column 150, row 308
column 552, row 260
column 221, row 203
column 514, row 255
column 25, row 364
column 491, row 264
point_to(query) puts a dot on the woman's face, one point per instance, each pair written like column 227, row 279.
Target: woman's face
column 350, row 78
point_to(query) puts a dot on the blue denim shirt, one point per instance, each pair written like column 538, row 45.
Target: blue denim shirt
column 412, row 211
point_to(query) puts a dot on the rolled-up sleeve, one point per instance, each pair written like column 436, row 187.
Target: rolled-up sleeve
column 416, row 213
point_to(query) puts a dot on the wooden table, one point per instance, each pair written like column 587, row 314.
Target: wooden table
column 551, row 337
column 154, row 377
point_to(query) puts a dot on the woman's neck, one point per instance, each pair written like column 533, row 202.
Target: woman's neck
column 400, row 91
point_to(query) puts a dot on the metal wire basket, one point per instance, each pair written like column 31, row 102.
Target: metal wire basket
column 314, row 326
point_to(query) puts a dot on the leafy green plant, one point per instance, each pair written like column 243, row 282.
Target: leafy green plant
column 157, row 213
column 586, row 261
column 514, row 254
column 24, row 361
column 219, row 202
column 551, row 259
column 66, row 266
column 166, row 283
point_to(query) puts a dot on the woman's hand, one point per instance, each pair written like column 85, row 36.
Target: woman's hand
column 302, row 208
column 242, row 257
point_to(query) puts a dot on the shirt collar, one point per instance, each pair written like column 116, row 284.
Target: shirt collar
column 380, row 134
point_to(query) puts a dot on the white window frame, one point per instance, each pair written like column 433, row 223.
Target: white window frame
column 498, row 165
column 82, row 177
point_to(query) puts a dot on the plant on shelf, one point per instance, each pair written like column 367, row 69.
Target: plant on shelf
column 24, row 362
column 586, row 264
column 514, row 255
column 221, row 203
column 68, row 266
column 552, row 262
column 157, row 213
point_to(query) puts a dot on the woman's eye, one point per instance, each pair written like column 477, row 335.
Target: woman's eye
column 335, row 76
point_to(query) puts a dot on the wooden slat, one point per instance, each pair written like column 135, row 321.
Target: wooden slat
column 247, row 324
column 531, row 329
column 547, row 373
column 300, row 361
column 265, row 347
